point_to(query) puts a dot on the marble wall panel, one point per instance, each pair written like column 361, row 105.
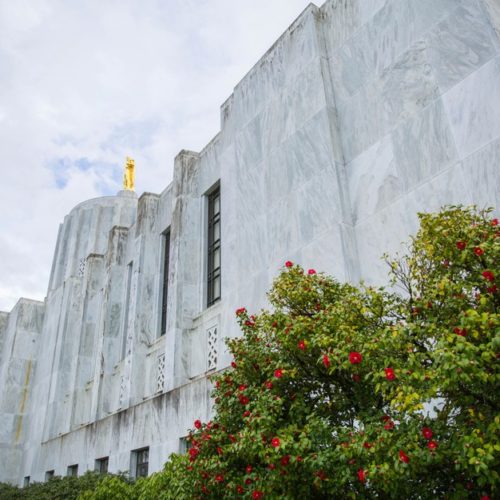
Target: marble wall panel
column 473, row 107
column 461, row 43
column 480, row 171
column 492, row 8
column 300, row 157
column 373, row 180
column 423, row 145
column 408, row 85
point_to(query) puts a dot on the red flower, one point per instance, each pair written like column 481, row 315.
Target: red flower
column 288, row 263
column 299, row 459
column 249, row 469
column 271, row 466
column 311, row 271
column 432, row 445
column 302, row 345
column 485, row 497
column 257, row 495
column 232, row 438
column 488, row 276
column 240, row 311
column 356, row 377
column 233, row 364
column 278, row 373
column 492, row 289
column 240, row 489
column 361, row 475
column 355, row 358
column 367, row 445
column 219, row 478
column 197, row 424
column 248, row 481
column 404, row 457
column 275, row 442
column 285, row 460
column 389, row 425
column 321, row 474
column 268, row 384
column 389, row 374
column 494, row 222
column 427, row 432
column 242, row 387
column 460, row 331
column 478, row 251
column 246, row 413
column 326, row 361
column 244, row 400
column 249, row 323
column 461, row 245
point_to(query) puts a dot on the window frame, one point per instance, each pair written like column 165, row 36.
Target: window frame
column 138, row 465
column 213, row 245
column 165, row 268
column 99, row 465
column 49, row 474
column 72, row 470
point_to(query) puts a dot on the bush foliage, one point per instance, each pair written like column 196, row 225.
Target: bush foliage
column 359, row 392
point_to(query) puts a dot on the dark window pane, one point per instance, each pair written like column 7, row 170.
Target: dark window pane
column 164, row 300
column 213, row 248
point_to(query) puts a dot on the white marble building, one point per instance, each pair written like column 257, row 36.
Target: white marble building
column 361, row 114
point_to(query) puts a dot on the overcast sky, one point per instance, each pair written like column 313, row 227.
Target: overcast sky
column 85, row 83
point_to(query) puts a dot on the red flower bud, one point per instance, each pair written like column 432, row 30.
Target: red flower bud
column 356, row 377
column 361, row 475
column 478, row 251
column 494, row 222
column 427, row 432
column 288, row 263
column 285, row 460
column 432, row 445
column 326, row 361
column 257, row 495
column 275, row 442
column 389, row 374
column 488, row 276
column 460, row 331
column 278, row 373
column 219, row 478
column 233, row 364
column 311, row 271
column 302, row 345
column 197, row 424
column 461, row 245
column 240, row 311
column 248, row 469
column 404, row 457
column 355, row 358
column 240, row 489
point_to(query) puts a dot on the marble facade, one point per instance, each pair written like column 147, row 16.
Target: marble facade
column 363, row 113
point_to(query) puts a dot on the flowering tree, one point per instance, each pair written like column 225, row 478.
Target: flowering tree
column 356, row 392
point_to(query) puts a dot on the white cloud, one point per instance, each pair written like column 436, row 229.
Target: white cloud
column 83, row 84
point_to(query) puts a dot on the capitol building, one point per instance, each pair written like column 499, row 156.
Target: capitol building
column 363, row 113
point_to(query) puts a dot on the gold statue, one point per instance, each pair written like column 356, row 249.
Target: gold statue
column 129, row 175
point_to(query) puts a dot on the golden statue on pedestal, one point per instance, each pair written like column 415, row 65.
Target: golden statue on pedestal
column 129, row 175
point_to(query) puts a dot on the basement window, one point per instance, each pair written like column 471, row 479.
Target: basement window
column 26, row 481
column 140, row 462
column 72, row 470
column 49, row 475
column 101, row 465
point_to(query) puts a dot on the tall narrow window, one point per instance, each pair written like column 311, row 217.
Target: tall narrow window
column 127, row 307
column 164, row 291
column 26, row 481
column 214, row 258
